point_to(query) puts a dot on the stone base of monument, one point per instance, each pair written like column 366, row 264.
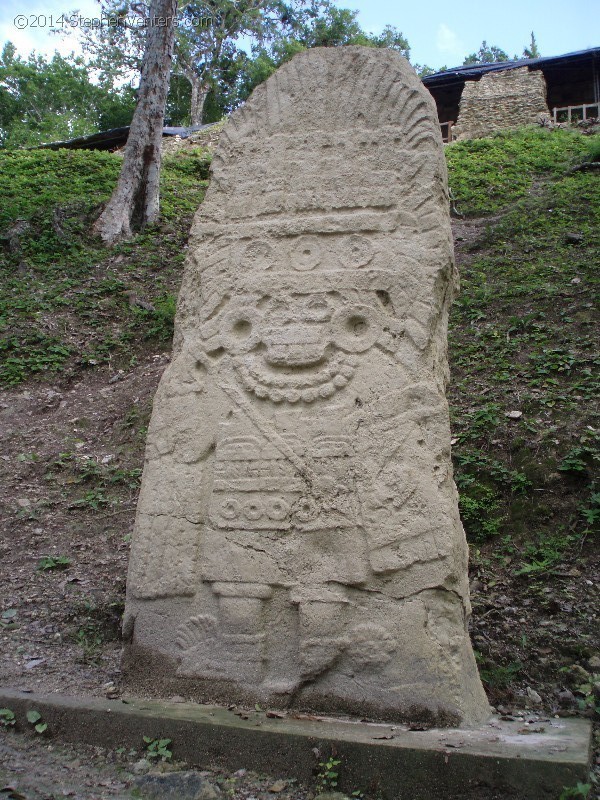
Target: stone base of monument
column 527, row 758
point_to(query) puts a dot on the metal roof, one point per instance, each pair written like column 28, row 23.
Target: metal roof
column 475, row 71
column 116, row 137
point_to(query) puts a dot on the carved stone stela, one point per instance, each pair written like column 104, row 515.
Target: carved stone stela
column 297, row 539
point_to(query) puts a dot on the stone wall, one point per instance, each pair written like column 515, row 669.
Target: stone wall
column 501, row 100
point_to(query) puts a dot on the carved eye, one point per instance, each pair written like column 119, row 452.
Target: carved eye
column 357, row 325
column 240, row 329
column 355, row 329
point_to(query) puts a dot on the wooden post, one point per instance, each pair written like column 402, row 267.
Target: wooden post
column 569, row 114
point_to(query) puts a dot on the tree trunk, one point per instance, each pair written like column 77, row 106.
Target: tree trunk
column 199, row 95
column 136, row 196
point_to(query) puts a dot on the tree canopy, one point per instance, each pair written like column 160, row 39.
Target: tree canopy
column 487, row 54
column 42, row 99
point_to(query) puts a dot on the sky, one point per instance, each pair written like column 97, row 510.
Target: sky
column 440, row 32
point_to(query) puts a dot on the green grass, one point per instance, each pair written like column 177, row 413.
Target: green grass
column 523, row 337
column 64, row 302
column 488, row 174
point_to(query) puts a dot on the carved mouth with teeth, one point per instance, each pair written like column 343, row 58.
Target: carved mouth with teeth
column 302, row 348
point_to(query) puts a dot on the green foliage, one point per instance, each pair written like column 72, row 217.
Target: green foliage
column 533, row 50
column 588, row 697
column 327, row 777
column 324, row 26
column 479, row 507
column 35, row 718
column 488, row 174
column 160, row 321
column 487, row 54
column 89, row 637
column 7, row 717
column 45, row 100
column 47, row 563
column 96, row 479
column 581, row 790
column 62, row 305
column 29, row 355
column 522, row 337
column 96, row 623
column 38, row 181
column 584, row 458
column 496, row 676
column 157, row 748
column 546, row 550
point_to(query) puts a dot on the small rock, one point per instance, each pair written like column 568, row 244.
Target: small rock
column 579, row 673
column 240, row 773
column 141, row 767
column 534, row 696
column 566, row 698
column 514, row 414
column 186, row 785
column 23, row 502
column 277, row 787
column 332, row 796
column 573, row 238
column 35, row 662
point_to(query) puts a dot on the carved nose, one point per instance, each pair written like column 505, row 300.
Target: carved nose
column 294, row 345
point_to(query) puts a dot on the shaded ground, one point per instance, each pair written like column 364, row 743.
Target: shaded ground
column 33, row 770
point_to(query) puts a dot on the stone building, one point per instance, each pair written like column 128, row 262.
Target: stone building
column 480, row 98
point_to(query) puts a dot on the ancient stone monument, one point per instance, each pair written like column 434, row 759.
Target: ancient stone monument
column 500, row 101
column 298, row 539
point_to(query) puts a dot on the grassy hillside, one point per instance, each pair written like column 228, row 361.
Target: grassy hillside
column 524, row 399
column 66, row 303
column 84, row 332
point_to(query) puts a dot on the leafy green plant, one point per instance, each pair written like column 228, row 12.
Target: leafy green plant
column 35, row 718
column 478, row 509
column 158, row 748
column 89, row 637
column 590, row 510
column 546, row 550
column 588, row 696
column 47, row 563
column 327, row 777
column 496, row 676
column 581, row 790
column 93, row 499
column 7, row 717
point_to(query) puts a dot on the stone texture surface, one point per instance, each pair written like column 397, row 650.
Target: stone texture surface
column 501, row 100
column 298, row 539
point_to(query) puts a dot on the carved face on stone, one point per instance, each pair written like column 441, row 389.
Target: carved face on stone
column 298, row 346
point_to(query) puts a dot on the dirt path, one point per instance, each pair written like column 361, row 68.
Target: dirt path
column 33, row 769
